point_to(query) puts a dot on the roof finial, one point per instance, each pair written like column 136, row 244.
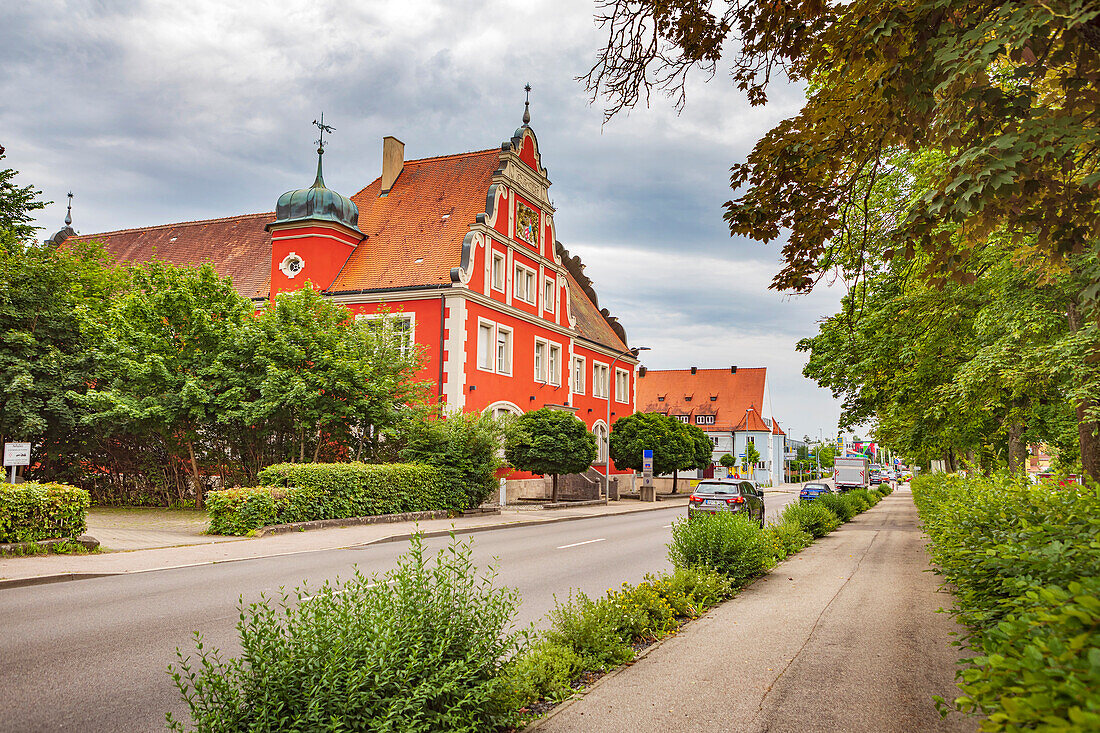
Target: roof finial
column 320, row 182
column 527, row 106
column 69, row 212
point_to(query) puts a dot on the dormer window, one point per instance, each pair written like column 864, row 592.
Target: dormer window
column 714, row 398
column 660, row 399
column 687, row 398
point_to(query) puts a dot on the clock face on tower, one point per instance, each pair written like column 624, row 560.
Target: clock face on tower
column 291, row 265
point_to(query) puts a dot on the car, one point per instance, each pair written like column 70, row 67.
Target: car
column 814, row 489
column 727, row 495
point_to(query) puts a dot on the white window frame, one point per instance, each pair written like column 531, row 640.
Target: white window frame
column 578, row 384
column 495, row 332
column 549, row 293
column 624, row 398
column 409, row 318
column 498, row 284
column 602, row 442
column 555, row 374
column 541, row 360
column 704, row 419
column 510, row 344
column 683, row 418
column 600, row 387
column 530, row 278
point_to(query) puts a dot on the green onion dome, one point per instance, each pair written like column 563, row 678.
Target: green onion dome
column 317, row 202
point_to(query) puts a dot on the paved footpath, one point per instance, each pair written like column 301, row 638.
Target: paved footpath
column 843, row 636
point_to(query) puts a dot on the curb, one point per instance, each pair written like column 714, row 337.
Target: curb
column 64, row 577
column 274, row 529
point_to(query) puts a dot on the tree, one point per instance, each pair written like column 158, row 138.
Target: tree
column 16, row 204
column 752, row 456
column 676, row 446
column 727, row 460
column 547, row 441
column 466, row 448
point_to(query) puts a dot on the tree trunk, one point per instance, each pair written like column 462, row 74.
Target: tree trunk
column 553, row 487
column 1017, row 449
column 317, row 450
column 302, row 445
column 195, row 474
column 675, row 476
column 1086, row 428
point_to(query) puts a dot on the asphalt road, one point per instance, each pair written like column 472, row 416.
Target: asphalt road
column 91, row 654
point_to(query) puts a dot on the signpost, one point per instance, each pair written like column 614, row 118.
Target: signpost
column 648, row 491
column 17, row 454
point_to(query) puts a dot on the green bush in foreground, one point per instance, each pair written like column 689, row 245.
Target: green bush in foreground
column 241, row 510
column 31, row 511
column 811, row 517
column 418, row 649
column 728, row 543
column 1024, row 564
column 544, row 671
column 788, row 539
column 591, row 629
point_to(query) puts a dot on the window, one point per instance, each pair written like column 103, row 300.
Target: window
column 504, row 350
column 494, row 348
column 578, row 375
column 549, row 290
column 599, row 380
column 555, row 365
column 523, row 285
column 600, row 431
column 660, row 399
column 714, row 398
column 714, row 440
column 496, row 275
column 386, row 326
column 683, row 418
column 485, row 346
column 540, row 360
column 622, row 386
column 704, row 419
column 750, row 440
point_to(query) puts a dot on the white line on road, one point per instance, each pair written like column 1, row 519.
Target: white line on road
column 577, row 544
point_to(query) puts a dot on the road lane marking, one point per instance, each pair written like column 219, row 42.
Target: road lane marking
column 578, row 544
column 667, row 526
column 340, row 591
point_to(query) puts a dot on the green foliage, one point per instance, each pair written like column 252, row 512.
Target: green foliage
column 690, row 591
column 752, row 457
column 419, row 649
column 33, row 511
column 728, row 543
column 866, row 499
column 884, row 486
column 727, row 460
column 543, row 672
column 16, row 204
column 811, row 517
column 1024, row 564
column 553, row 442
column 787, row 538
column 884, row 490
column 464, row 448
column 239, row 511
column 591, row 629
column 842, row 505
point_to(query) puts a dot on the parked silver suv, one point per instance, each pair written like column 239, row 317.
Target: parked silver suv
column 727, row 495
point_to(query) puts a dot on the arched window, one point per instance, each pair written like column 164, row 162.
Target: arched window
column 600, row 431
column 500, row 409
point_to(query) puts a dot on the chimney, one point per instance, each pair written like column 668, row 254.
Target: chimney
column 733, row 370
column 694, row 369
column 393, row 161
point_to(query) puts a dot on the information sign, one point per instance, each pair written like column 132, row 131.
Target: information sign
column 647, row 462
column 17, row 454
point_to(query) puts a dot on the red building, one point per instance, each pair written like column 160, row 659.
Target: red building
column 461, row 249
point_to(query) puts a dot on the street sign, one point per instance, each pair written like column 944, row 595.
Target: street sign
column 17, row 454
column 647, row 462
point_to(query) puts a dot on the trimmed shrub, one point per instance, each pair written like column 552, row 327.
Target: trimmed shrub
column 1024, row 564
column 787, row 538
column 812, row 517
column 336, row 490
column 867, row 499
column 419, row 649
column 465, row 449
column 31, row 511
column 728, row 543
column 842, row 505
column 240, row 511
column 884, row 487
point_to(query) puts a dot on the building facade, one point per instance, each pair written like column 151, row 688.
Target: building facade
column 461, row 252
column 732, row 406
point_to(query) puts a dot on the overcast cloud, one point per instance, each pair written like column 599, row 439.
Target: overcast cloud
column 157, row 112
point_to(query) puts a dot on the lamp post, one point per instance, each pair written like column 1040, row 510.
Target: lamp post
column 607, row 421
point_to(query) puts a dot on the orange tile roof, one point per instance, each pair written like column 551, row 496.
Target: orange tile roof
column 734, row 393
column 237, row 247
column 751, row 421
column 425, row 215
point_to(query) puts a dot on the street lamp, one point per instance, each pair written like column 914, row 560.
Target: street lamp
column 607, row 423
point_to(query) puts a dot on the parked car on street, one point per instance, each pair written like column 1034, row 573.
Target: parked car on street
column 727, row 495
column 813, row 490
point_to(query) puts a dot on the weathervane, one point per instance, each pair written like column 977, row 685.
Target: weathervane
column 527, row 104
column 323, row 128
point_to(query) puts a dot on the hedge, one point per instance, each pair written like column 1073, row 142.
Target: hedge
column 1024, row 564
column 302, row 492
column 30, row 512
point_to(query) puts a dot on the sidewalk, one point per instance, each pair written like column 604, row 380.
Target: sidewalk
column 194, row 548
column 843, row 636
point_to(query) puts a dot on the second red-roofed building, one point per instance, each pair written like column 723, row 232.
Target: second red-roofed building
column 732, row 406
column 463, row 252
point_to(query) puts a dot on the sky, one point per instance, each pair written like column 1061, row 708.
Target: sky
column 158, row 112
